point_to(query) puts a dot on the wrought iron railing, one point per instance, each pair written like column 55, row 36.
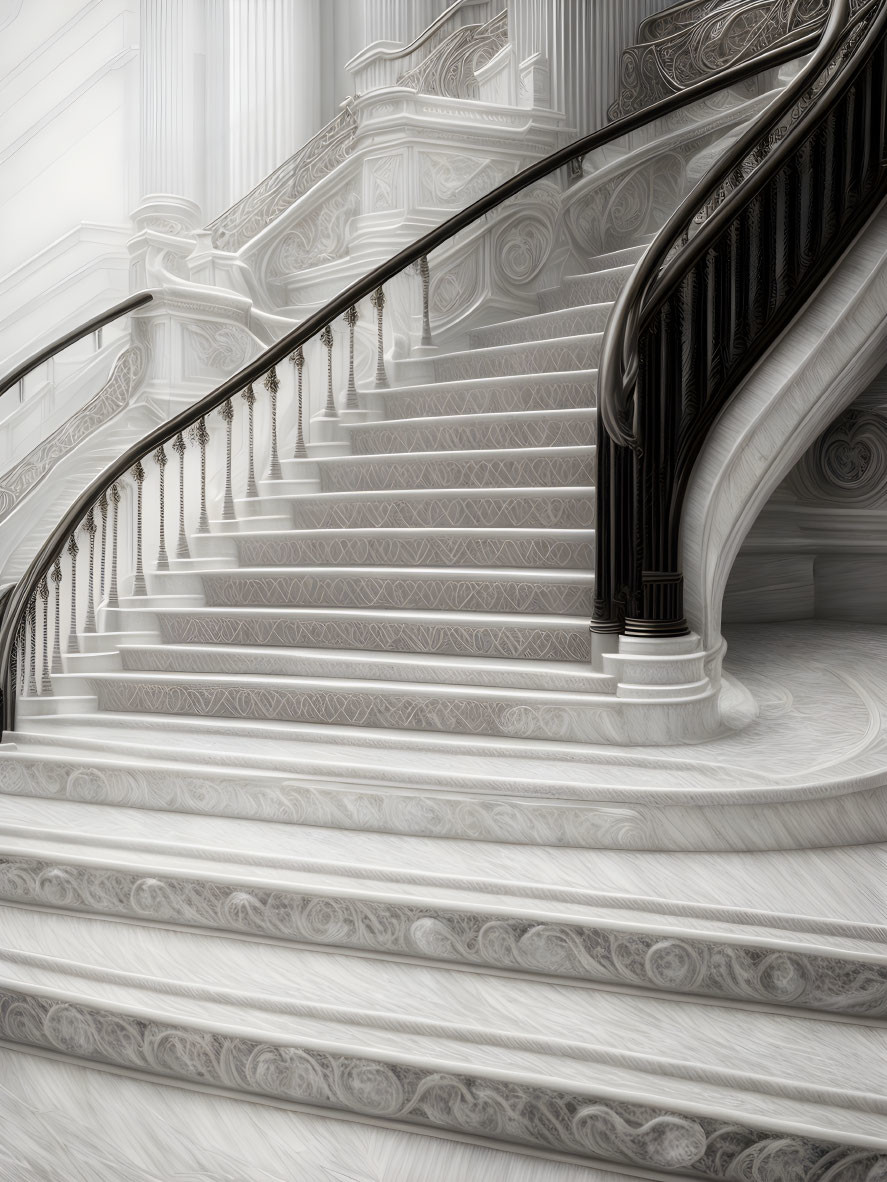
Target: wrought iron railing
column 32, row 630
column 723, row 278
column 700, row 39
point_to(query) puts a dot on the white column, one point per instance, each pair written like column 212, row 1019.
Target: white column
column 274, row 84
column 568, row 53
column 169, row 169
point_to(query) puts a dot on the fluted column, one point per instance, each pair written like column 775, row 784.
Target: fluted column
column 274, row 84
column 568, row 52
column 170, row 153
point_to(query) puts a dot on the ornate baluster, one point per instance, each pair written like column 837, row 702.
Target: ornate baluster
column 139, row 586
column 298, row 360
column 22, row 660
column 160, row 459
column 45, row 679
column 326, row 339
column 89, row 524
column 351, row 402
column 425, row 276
column 200, row 435
column 182, row 549
column 114, row 495
column 272, row 385
column 249, row 397
column 32, row 646
column 377, row 299
column 56, row 577
column 226, row 410
column 73, row 643
column 103, row 510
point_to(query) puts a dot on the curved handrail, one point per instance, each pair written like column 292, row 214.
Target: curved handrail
column 76, row 334
column 314, row 324
column 618, row 367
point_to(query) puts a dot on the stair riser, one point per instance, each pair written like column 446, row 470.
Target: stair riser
column 464, row 711
column 568, row 323
column 585, row 289
column 440, row 639
column 538, row 357
column 451, row 550
column 398, row 592
column 491, row 398
column 519, row 510
column 577, row 430
column 543, row 470
column 608, row 954
column 437, row 810
column 395, row 1087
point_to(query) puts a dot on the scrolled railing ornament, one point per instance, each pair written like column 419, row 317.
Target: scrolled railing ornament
column 712, row 38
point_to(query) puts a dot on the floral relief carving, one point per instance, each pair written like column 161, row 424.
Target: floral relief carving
column 848, row 463
column 447, row 178
column 385, row 188
column 319, row 237
column 451, row 68
column 684, row 965
column 221, row 346
column 542, row 1116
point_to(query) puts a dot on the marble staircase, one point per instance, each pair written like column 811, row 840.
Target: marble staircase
column 337, row 820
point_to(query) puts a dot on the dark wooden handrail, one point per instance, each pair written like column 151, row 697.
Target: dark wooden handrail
column 76, row 334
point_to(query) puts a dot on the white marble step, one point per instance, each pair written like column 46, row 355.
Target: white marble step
column 639, row 897
column 511, row 429
column 490, row 508
column 417, row 546
column 495, row 468
column 542, row 327
column 453, row 709
column 541, row 391
column 163, row 1131
column 546, row 356
column 366, row 664
column 465, row 634
column 593, row 287
column 457, row 1051
column 451, row 589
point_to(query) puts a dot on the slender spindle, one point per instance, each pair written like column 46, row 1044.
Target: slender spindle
column 249, row 397
column 22, row 660
column 326, row 339
column 272, row 385
column 32, row 646
column 182, row 549
column 139, row 587
column 351, row 319
column 73, row 643
column 425, row 276
column 377, row 299
column 91, row 527
column 226, row 410
column 298, row 360
column 45, row 679
column 160, row 459
column 103, row 510
column 114, row 497
column 200, row 435
column 56, row 576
